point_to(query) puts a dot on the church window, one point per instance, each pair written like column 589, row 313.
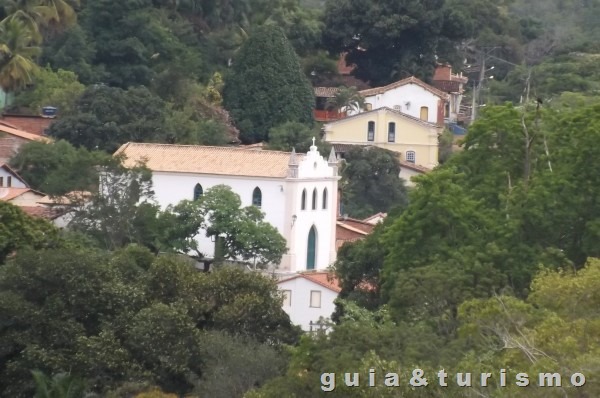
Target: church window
column 311, row 249
column 324, row 198
column 257, row 197
column 303, row 200
column 198, row 191
column 314, row 199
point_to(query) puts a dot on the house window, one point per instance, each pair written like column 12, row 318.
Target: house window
column 287, row 298
column 314, row 199
column 303, row 200
column 324, row 198
column 410, row 156
column 257, row 197
column 311, row 248
column 424, row 113
column 315, row 299
column 198, row 191
column 392, row 132
column 1, row 181
column 371, row 132
column 447, row 110
column 368, row 106
column 9, row 181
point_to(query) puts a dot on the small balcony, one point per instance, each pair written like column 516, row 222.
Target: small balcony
column 328, row 116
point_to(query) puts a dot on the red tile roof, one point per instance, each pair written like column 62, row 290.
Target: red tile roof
column 22, row 134
column 326, row 279
column 31, row 124
column 8, row 194
column 415, row 167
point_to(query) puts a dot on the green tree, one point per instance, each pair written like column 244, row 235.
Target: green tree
column 298, row 136
column 61, row 385
column 59, row 89
column 346, row 99
column 17, row 55
column 265, row 71
column 106, row 117
column 370, row 182
column 58, row 168
column 32, row 13
column 18, row 231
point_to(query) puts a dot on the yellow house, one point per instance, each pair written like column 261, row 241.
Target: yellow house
column 415, row 140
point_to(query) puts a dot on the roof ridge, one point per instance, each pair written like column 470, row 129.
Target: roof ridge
column 127, row 144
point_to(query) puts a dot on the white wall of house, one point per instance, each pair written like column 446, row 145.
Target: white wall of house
column 407, row 174
column 407, row 99
column 15, row 181
column 299, row 310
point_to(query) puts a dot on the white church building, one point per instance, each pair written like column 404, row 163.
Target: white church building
column 297, row 192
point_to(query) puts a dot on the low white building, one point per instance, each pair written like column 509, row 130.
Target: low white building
column 297, row 192
column 309, row 298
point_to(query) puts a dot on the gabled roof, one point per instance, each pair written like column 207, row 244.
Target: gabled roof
column 22, row 134
column 34, row 124
column 200, row 159
column 403, row 82
column 323, row 278
column 14, row 173
column 8, row 194
column 415, row 167
column 385, row 108
column 368, row 220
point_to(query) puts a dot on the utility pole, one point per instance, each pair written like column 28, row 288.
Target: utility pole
column 477, row 90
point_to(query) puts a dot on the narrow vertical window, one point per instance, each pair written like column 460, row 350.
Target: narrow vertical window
column 9, row 181
column 324, row 198
column 198, row 191
column 410, row 156
column 314, row 199
column 392, row 132
column 371, row 131
column 424, row 113
column 311, row 249
column 303, row 200
column 1, row 181
column 257, row 197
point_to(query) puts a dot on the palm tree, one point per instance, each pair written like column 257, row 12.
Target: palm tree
column 62, row 385
column 31, row 12
column 16, row 55
column 62, row 12
column 347, row 98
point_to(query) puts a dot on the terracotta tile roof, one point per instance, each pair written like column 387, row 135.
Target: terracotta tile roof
column 14, row 173
column 208, row 160
column 385, row 108
column 30, row 123
column 403, row 82
column 327, row 92
column 326, row 279
column 22, row 134
column 47, row 213
column 8, row 194
column 415, row 167
column 375, row 216
column 359, row 225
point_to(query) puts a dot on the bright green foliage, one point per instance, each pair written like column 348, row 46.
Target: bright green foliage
column 18, row 231
column 58, row 168
column 370, row 182
column 17, row 55
column 106, row 117
column 59, row 89
column 346, row 99
column 266, row 86
column 242, row 232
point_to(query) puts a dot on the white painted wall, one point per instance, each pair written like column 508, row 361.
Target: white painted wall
column 300, row 311
column 407, row 174
column 172, row 188
column 15, row 183
column 399, row 96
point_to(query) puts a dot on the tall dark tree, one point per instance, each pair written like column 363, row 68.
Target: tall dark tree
column 266, row 86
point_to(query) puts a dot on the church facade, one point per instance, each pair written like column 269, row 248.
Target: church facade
column 297, row 192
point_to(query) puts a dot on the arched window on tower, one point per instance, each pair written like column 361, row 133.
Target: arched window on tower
column 311, row 248
column 324, row 198
column 314, row 199
column 198, row 191
column 257, row 197
column 303, row 205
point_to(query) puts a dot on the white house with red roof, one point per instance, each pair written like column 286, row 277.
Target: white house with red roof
column 309, row 298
